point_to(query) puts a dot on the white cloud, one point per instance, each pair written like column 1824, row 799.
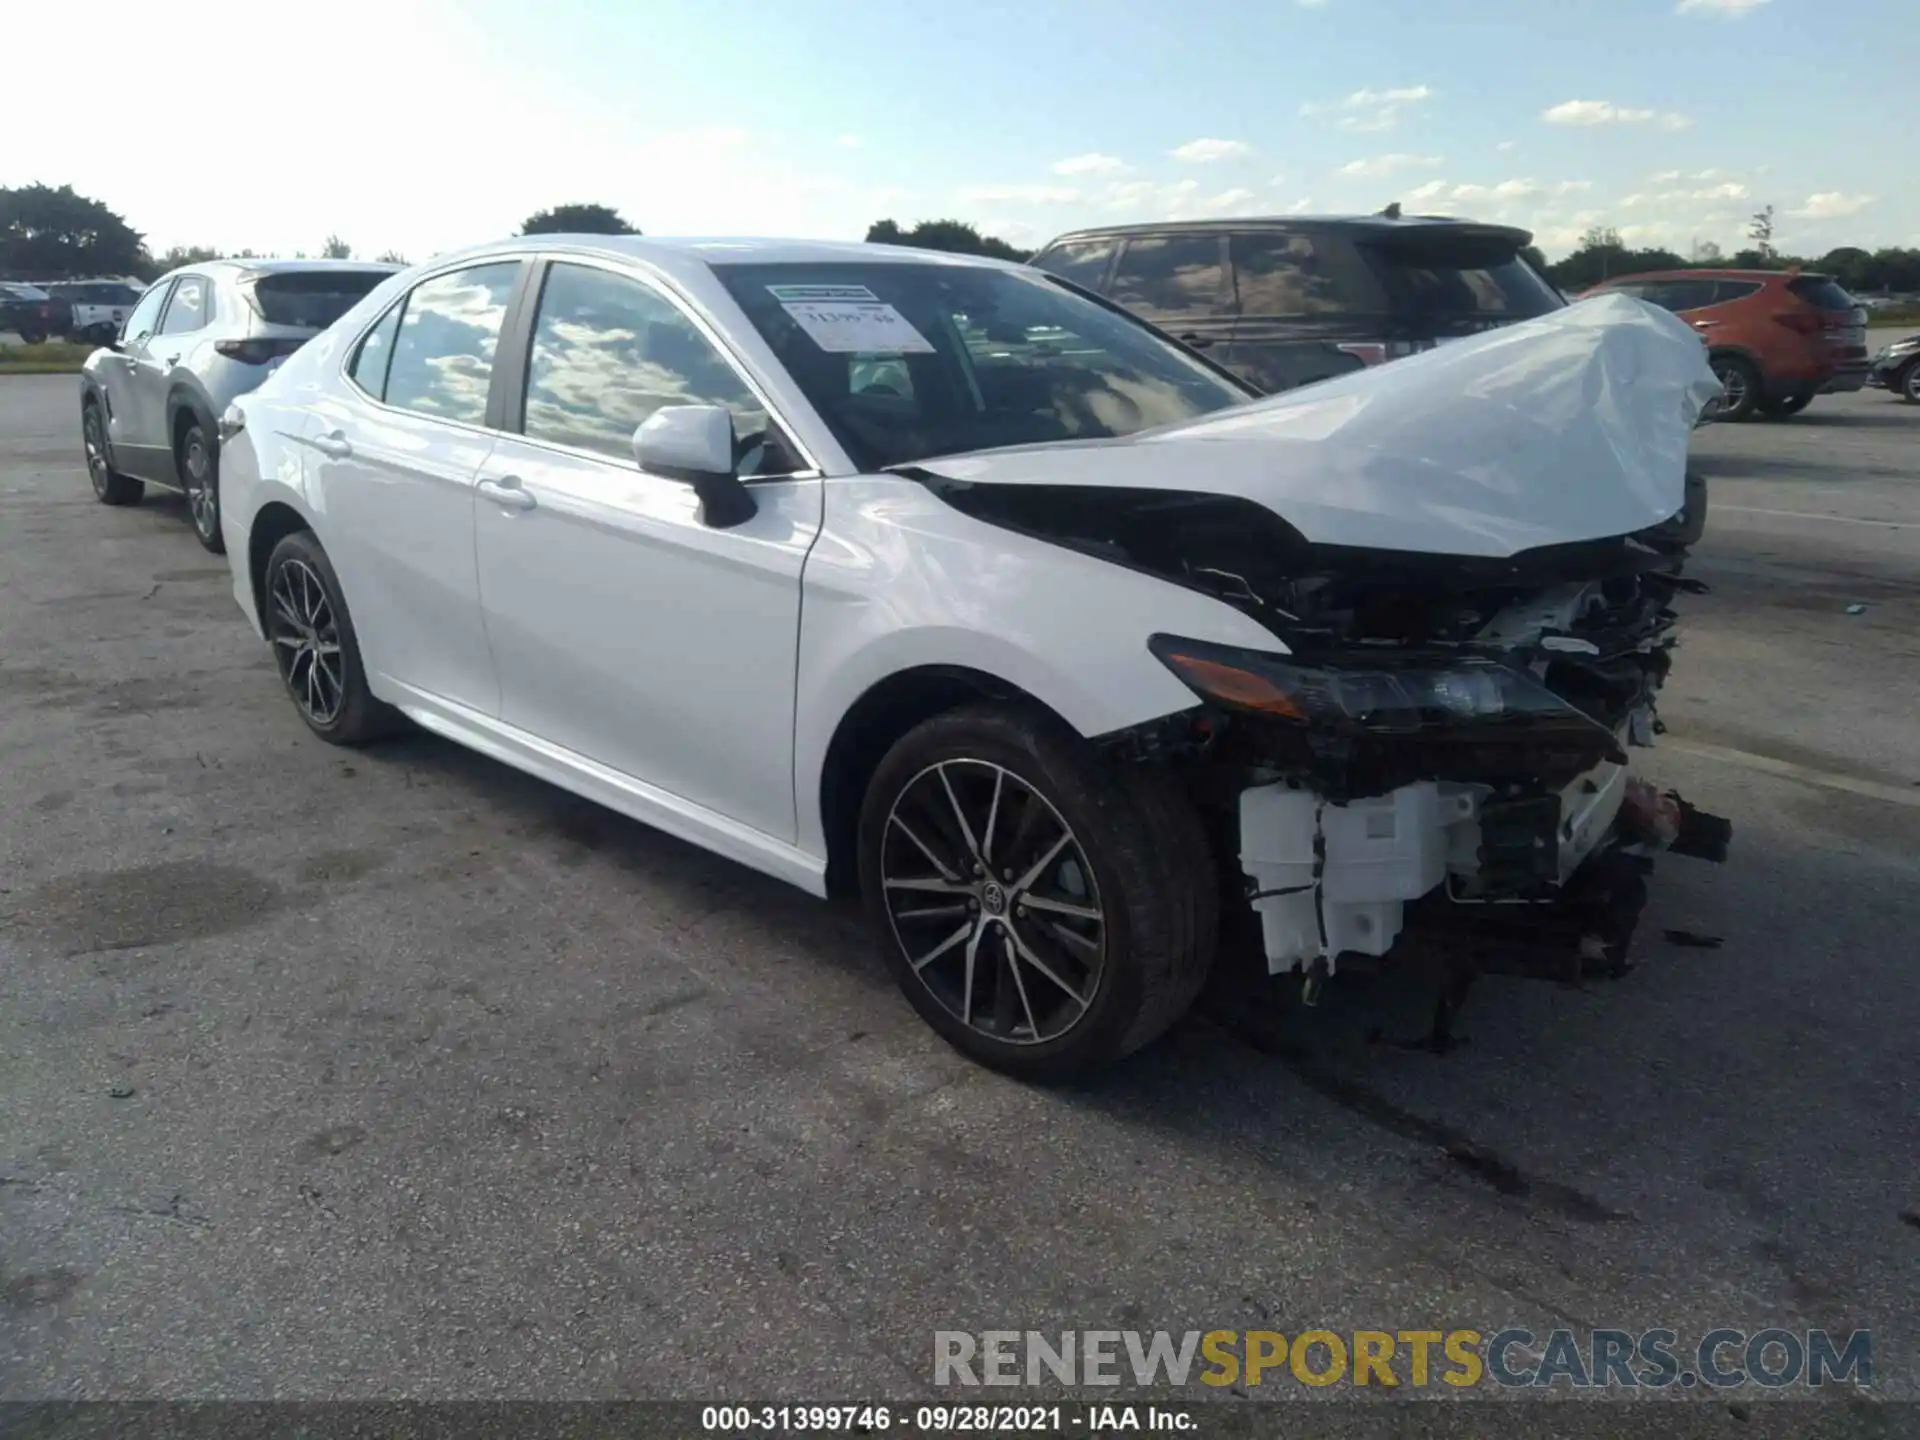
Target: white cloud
column 1717, row 7
column 1089, row 164
column 1665, row 177
column 1506, row 145
column 1206, row 151
column 1605, row 112
column 1301, row 206
column 1832, row 205
column 1380, row 165
column 1018, row 195
column 1238, row 201
column 1432, row 190
column 850, row 142
column 1311, row 4
column 1367, row 111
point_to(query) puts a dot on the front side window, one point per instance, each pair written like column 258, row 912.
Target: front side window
column 146, row 315
column 608, row 351
column 442, row 359
column 1084, row 262
column 1172, row 277
column 187, row 311
column 905, row 361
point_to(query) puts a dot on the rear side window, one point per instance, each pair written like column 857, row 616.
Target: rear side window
column 187, row 311
column 443, row 354
column 1820, row 292
column 1172, row 277
column 369, row 368
column 1084, row 262
column 1452, row 277
column 1303, row 274
column 1682, row 294
column 147, row 313
column 310, row 299
column 1725, row 290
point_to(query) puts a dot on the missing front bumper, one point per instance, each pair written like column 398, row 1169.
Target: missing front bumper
column 1550, row 878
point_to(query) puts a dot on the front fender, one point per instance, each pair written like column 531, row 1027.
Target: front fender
column 899, row 580
column 261, row 468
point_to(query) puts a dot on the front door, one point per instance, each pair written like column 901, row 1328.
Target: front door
column 623, row 627
column 151, row 373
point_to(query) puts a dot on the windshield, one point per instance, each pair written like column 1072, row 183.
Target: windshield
column 908, row 361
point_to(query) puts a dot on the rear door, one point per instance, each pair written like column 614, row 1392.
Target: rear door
column 393, row 458
column 1179, row 283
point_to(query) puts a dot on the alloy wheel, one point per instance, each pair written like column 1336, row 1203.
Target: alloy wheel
column 1913, row 382
column 93, row 435
column 1733, row 390
column 306, row 642
column 993, row 902
column 202, row 498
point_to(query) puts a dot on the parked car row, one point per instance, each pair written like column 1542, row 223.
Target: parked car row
column 84, row 310
column 946, row 582
column 32, row 313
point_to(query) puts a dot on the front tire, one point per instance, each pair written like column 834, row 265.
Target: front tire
column 1907, row 383
column 1739, row 386
column 110, row 487
column 1044, row 910
column 199, row 466
column 315, row 648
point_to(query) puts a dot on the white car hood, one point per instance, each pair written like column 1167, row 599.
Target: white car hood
column 1570, row 427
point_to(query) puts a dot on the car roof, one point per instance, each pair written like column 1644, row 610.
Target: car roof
column 689, row 257
column 244, row 266
column 1716, row 273
column 1385, row 224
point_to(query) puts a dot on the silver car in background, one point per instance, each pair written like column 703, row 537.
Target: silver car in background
column 200, row 338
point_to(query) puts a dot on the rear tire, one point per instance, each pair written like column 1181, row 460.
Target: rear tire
column 1105, row 945
column 315, row 648
column 1907, row 383
column 110, row 487
column 198, row 465
column 1740, row 387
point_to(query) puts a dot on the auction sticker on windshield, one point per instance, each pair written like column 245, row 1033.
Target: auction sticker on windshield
column 850, row 320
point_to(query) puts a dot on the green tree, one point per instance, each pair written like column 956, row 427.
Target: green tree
column 336, row 249
column 1761, row 231
column 49, row 232
column 1706, row 253
column 392, row 257
column 185, row 255
column 1531, row 254
column 956, row 237
column 577, row 220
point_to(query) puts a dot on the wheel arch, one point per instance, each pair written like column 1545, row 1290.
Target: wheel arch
column 186, row 405
column 871, row 727
column 272, row 523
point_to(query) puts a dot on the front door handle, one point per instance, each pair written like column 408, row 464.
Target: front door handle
column 1195, row 342
column 507, row 492
column 173, row 359
column 334, row 446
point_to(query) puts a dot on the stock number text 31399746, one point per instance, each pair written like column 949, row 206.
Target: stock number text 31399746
column 880, row 1419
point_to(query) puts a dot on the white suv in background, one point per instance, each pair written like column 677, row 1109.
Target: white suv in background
column 199, row 339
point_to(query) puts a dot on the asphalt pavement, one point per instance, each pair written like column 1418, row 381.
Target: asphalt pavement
column 395, row 1073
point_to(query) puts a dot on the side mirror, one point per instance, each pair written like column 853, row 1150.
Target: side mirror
column 694, row 445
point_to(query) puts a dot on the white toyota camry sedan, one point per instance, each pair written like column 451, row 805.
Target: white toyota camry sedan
column 939, row 580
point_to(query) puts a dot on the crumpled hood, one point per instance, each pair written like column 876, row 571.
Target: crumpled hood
column 1570, row 427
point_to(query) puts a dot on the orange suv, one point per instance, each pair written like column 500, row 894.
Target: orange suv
column 1776, row 338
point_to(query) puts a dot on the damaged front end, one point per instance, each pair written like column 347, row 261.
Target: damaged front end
column 1469, row 561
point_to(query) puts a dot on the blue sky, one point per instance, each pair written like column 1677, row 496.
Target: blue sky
column 420, row 125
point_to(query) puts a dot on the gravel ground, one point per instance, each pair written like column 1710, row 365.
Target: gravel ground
column 394, row 1073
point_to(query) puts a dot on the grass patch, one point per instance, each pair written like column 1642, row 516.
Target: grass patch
column 50, row 357
column 1900, row 315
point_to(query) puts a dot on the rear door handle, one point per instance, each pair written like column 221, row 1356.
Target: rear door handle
column 334, row 446
column 1705, row 324
column 507, row 492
